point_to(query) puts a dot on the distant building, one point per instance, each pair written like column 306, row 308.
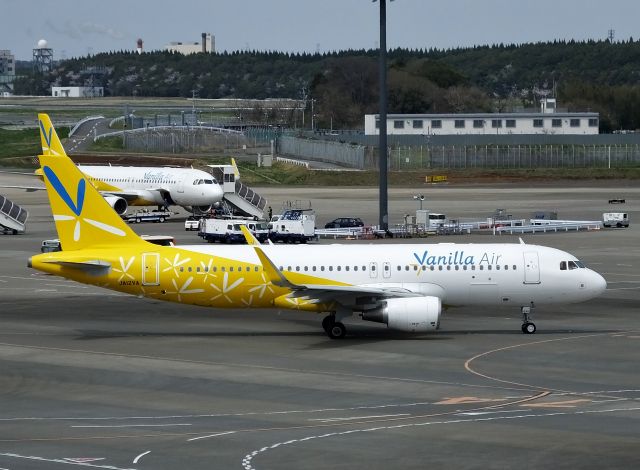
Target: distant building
column 207, row 45
column 7, row 72
column 547, row 121
column 77, row 91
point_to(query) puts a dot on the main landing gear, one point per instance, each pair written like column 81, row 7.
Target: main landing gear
column 333, row 328
column 528, row 327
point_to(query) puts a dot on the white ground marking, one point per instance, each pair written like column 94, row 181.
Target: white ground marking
column 220, row 415
column 247, row 460
column 211, row 435
column 358, row 417
column 68, row 462
column 480, row 413
column 129, row 425
column 140, row 456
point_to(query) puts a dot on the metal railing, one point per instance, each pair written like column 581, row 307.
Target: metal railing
column 13, row 211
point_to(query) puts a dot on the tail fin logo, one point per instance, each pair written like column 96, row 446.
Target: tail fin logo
column 46, row 136
column 76, row 206
column 62, row 192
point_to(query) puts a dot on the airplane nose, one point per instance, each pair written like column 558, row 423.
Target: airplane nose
column 600, row 283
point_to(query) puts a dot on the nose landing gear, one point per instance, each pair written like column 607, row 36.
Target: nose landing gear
column 528, row 327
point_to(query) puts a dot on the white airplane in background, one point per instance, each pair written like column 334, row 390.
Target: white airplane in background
column 121, row 186
column 403, row 286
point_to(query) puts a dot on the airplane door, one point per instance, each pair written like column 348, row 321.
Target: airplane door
column 531, row 267
column 373, row 270
column 181, row 184
column 386, row 269
column 150, row 269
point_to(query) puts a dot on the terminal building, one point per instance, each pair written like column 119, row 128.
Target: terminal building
column 548, row 121
column 208, row 44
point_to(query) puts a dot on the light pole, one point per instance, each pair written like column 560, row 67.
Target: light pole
column 382, row 145
column 419, row 198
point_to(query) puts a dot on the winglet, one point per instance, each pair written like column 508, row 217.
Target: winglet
column 49, row 139
column 236, row 172
column 274, row 275
column 251, row 240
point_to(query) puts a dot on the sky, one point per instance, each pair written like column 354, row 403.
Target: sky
column 76, row 28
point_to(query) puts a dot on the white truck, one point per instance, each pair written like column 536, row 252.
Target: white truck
column 615, row 219
column 228, row 230
column 430, row 220
column 293, row 226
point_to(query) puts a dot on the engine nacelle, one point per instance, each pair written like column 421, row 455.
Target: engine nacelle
column 201, row 210
column 119, row 204
column 412, row 314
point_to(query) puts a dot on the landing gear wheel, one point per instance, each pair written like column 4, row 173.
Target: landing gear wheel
column 327, row 322
column 336, row 330
column 528, row 328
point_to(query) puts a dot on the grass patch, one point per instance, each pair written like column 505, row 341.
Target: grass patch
column 24, row 142
column 107, row 144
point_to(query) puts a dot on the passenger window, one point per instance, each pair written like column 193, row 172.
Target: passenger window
column 339, row 268
column 424, row 268
column 406, row 268
column 457, row 268
column 297, row 268
column 355, row 268
column 464, row 268
column 415, row 267
column 489, row 268
column 563, row 265
column 321, row 268
column 448, row 267
column 433, row 268
column 440, row 268
column 514, row 267
column 498, row 267
column 399, row 268
column 313, row 268
column 346, row 268
column 330, row 268
column 481, row 267
column 506, row 267
column 306, row 268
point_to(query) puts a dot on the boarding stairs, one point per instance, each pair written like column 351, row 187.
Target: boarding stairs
column 239, row 197
column 12, row 217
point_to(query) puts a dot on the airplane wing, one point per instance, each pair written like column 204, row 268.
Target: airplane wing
column 26, row 188
column 344, row 294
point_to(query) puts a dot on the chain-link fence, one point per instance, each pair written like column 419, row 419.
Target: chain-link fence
column 182, row 139
column 409, row 157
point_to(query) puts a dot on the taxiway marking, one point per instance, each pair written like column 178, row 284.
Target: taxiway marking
column 357, row 417
column 140, row 456
column 248, row 459
column 129, row 425
column 211, row 435
column 68, row 462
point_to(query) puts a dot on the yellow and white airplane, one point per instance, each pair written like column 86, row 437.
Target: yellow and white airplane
column 403, row 286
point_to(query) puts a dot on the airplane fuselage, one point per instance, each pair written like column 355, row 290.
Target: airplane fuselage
column 458, row 274
column 156, row 185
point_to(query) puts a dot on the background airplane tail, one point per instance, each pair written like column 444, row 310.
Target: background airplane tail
column 83, row 218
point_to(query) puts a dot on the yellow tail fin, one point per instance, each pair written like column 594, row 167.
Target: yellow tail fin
column 49, row 139
column 83, row 218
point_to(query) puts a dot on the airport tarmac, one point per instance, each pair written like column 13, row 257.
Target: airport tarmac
column 94, row 378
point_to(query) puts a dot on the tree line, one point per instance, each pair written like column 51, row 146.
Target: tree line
column 584, row 75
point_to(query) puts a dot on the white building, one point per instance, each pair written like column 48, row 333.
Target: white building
column 208, row 44
column 547, row 121
column 77, row 91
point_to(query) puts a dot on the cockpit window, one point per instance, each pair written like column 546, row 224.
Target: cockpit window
column 196, row 182
column 580, row 264
column 563, row 265
column 573, row 265
column 208, row 181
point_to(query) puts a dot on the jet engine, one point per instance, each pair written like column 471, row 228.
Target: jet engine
column 200, row 210
column 119, row 204
column 412, row 314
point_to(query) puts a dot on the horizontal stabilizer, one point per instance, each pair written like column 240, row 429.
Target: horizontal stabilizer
column 91, row 267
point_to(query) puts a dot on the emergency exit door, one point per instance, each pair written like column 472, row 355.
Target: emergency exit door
column 150, row 269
